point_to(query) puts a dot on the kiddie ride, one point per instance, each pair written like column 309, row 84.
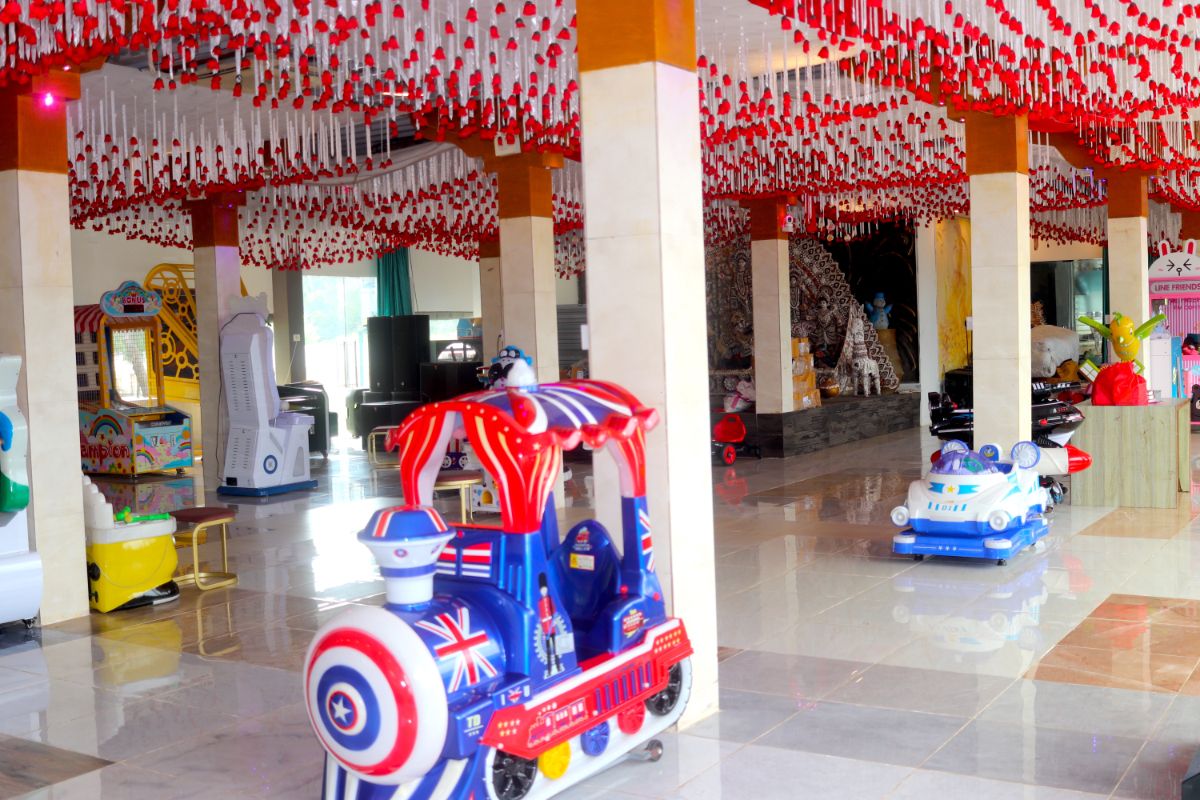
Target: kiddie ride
column 267, row 449
column 504, row 665
column 975, row 504
column 20, row 570
column 121, row 435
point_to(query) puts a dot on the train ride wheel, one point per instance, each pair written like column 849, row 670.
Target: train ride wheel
column 729, row 455
column 665, row 701
column 512, row 776
column 554, row 762
column 630, row 719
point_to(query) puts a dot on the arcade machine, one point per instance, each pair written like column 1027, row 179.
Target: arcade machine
column 20, row 570
column 267, row 449
column 131, row 430
column 130, row 559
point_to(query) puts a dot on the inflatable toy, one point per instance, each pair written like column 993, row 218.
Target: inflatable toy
column 505, row 665
column 974, row 505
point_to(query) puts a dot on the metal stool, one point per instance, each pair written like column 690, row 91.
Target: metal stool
column 459, row 480
column 196, row 522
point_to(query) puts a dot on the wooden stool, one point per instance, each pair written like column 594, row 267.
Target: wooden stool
column 196, row 522
column 461, row 480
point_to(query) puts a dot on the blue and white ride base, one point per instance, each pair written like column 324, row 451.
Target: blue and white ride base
column 266, row 491
column 997, row 547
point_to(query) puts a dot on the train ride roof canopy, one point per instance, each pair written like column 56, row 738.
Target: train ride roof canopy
column 519, row 435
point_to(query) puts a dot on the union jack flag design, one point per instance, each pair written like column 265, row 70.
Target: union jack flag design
column 476, row 561
column 404, row 519
column 461, row 645
column 647, row 542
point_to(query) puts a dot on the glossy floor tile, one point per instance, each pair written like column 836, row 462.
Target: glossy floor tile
column 1071, row 673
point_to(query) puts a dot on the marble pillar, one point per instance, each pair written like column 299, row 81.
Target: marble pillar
column 491, row 303
column 646, row 303
column 1128, row 245
column 527, row 290
column 998, row 165
column 37, row 324
column 772, row 308
column 927, row 315
column 218, row 281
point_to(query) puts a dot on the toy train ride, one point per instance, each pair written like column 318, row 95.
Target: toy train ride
column 504, row 665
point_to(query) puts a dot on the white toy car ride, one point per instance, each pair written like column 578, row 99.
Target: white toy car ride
column 974, row 504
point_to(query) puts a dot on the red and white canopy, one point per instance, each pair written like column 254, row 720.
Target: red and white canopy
column 519, row 436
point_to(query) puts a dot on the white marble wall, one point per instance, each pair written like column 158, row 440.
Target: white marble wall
column 927, row 315
column 772, row 306
column 646, row 313
column 37, row 323
column 1000, row 307
column 1129, row 267
column 527, row 283
column 217, row 282
column 492, row 305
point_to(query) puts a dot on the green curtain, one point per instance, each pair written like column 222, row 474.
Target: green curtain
column 395, row 285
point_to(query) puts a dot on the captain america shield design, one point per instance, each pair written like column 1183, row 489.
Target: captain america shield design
column 360, row 702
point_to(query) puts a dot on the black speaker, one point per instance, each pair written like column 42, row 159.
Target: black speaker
column 379, row 353
column 444, row 380
column 410, row 348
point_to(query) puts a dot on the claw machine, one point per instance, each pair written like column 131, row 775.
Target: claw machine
column 128, row 429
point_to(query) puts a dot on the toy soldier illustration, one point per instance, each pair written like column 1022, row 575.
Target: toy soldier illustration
column 546, row 611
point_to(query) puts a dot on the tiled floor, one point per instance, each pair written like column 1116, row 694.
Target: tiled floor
column 1069, row 673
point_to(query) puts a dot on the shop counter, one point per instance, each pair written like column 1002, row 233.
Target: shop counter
column 1140, row 455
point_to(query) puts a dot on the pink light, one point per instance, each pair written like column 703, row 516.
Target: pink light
column 47, row 100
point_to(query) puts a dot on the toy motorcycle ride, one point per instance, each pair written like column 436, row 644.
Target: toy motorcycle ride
column 1055, row 420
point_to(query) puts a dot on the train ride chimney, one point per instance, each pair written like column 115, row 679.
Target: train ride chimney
column 406, row 541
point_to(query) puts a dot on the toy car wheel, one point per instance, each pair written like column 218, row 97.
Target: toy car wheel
column 728, row 455
column 900, row 516
column 512, row 776
column 998, row 520
column 665, row 701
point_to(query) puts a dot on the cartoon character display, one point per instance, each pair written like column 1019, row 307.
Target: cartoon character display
column 20, row 569
column 878, row 311
column 974, row 504
column 1126, row 340
column 505, row 664
column 511, row 368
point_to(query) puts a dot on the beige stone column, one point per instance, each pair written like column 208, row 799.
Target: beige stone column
column 37, row 324
column 527, row 278
column 218, row 280
column 646, row 310
column 491, row 303
column 772, row 307
column 998, row 165
column 1128, row 244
